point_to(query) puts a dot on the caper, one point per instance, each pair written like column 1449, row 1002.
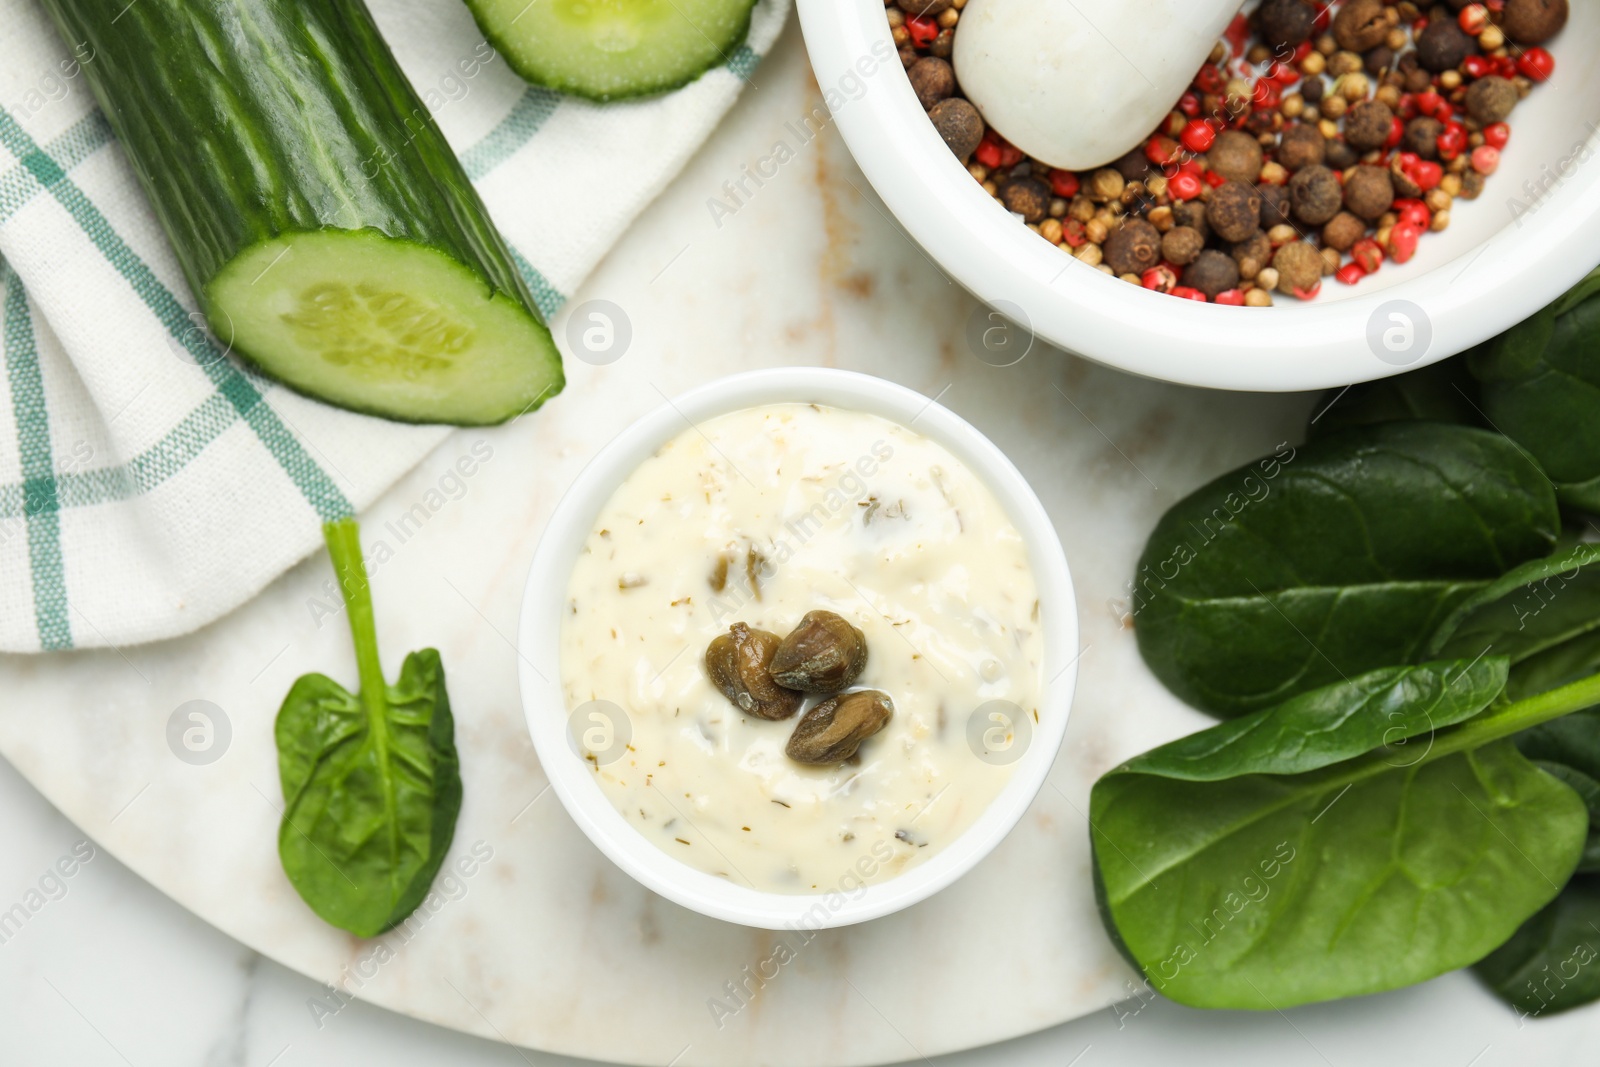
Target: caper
column 824, row 654
column 737, row 663
column 833, row 730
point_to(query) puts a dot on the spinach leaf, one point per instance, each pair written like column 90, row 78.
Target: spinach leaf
column 1569, row 749
column 1552, row 963
column 1388, row 706
column 1336, row 559
column 1576, row 658
column 1528, row 610
column 1541, row 387
column 1238, row 880
column 371, row 781
column 1441, row 392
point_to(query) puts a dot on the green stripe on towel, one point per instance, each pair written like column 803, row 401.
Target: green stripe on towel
column 743, row 62
column 40, row 504
column 510, row 133
column 70, row 147
column 312, row 481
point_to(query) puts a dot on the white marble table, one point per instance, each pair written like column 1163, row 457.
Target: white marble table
column 115, row 973
column 548, row 946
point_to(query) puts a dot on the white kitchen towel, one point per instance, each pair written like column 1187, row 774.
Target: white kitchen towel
column 144, row 491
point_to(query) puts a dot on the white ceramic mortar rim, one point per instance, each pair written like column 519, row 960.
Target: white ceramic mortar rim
column 1293, row 346
column 545, row 598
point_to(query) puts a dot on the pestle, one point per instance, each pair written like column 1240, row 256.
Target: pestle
column 1079, row 83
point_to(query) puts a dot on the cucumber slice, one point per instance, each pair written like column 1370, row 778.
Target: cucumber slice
column 323, row 223
column 613, row 49
column 385, row 326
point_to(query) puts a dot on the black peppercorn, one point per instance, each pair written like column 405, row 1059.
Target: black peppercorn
column 932, row 80
column 1368, row 192
column 1530, row 22
column 1339, row 155
column 1027, row 197
column 1212, row 273
column 1234, row 211
column 959, row 123
column 1134, row 248
column 1422, row 136
column 1315, row 194
column 1490, row 100
column 1285, row 23
column 1444, row 45
column 1368, row 125
column 1236, row 156
column 1301, row 147
column 1360, row 25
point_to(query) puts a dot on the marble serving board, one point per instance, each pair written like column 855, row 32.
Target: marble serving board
column 546, row 944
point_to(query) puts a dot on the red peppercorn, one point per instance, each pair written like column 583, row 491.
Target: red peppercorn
column 1473, row 18
column 1303, row 49
column 1184, row 186
column 1189, row 104
column 1073, row 233
column 1397, row 133
column 1368, row 254
column 1324, row 19
column 1266, row 95
column 1403, row 238
column 1283, row 74
column 1427, row 174
column 1486, row 159
column 1478, row 66
column 1215, row 180
column 1161, row 279
column 922, row 30
column 1064, row 184
column 1161, row 150
column 1010, row 154
column 1496, row 134
column 1453, row 141
column 1428, row 102
column 1189, row 294
column 1210, row 79
column 1198, row 137
column 1536, row 65
column 1231, row 297
column 1505, row 66
column 987, row 152
column 1350, row 273
column 1414, row 213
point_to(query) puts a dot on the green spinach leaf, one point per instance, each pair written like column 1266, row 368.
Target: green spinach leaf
column 1541, row 386
column 1240, row 880
column 1440, row 392
column 1569, row 749
column 371, row 781
column 1552, row 963
column 1323, row 563
column 1528, row 610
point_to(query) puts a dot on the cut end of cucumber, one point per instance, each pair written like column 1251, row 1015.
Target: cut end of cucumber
column 614, row 49
column 384, row 326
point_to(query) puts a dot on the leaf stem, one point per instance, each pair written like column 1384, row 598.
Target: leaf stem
column 1514, row 718
column 344, row 547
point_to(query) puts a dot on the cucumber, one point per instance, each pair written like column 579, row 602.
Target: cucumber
column 613, row 49
column 328, row 232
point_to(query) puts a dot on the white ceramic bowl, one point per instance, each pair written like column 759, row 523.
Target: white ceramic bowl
column 540, row 632
column 1485, row 273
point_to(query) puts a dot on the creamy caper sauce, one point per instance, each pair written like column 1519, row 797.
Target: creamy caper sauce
column 760, row 516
